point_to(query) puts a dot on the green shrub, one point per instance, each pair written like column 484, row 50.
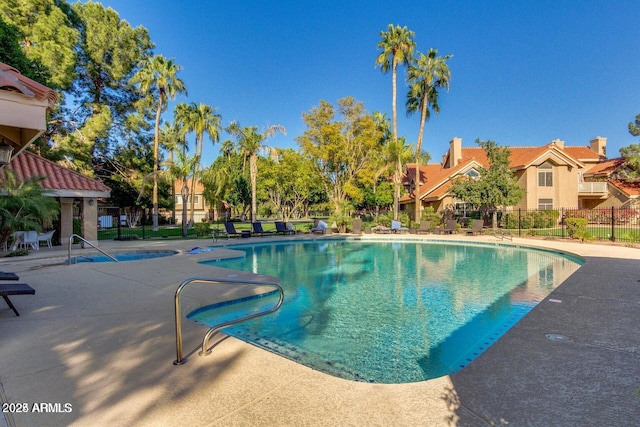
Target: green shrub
column 577, row 229
column 434, row 218
column 343, row 222
column 202, row 229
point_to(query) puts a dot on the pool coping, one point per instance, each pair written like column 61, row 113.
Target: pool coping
column 113, row 364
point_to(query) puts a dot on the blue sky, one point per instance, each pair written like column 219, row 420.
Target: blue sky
column 523, row 72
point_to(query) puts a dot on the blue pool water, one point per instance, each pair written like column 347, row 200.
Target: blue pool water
column 390, row 312
column 128, row 256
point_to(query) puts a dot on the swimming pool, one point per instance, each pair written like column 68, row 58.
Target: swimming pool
column 392, row 312
column 125, row 256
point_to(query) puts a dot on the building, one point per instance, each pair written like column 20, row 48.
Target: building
column 553, row 175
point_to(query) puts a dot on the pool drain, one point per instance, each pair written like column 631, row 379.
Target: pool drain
column 558, row 338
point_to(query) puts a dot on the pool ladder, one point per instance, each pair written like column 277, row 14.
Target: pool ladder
column 180, row 359
column 74, row 260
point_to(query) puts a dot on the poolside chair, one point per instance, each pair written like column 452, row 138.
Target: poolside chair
column 7, row 289
column 30, row 238
column 449, row 228
column 476, row 227
column 46, row 237
column 319, row 228
column 257, row 229
column 381, row 229
column 425, row 227
column 281, row 228
column 231, row 230
column 396, row 227
column 357, row 226
column 290, row 228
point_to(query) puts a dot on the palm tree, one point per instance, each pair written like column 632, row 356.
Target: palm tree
column 397, row 48
column 158, row 77
column 426, row 74
column 199, row 119
column 181, row 170
column 23, row 205
column 250, row 141
column 173, row 142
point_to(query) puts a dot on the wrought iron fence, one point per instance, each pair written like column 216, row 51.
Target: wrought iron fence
column 613, row 224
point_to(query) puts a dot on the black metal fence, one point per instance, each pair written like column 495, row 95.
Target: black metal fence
column 613, row 224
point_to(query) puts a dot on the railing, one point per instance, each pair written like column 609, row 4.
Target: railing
column 212, row 331
column 593, row 187
column 90, row 244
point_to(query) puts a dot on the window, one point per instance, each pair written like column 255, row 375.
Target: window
column 474, row 174
column 545, row 175
column 545, row 204
column 196, row 199
column 178, row 200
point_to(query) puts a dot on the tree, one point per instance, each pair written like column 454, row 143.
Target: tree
column 426, row 74
column 496, row 186
column 24, row 205
column 181, row 170
column 397, row 48
column 341, row 149
column 49, row 37
column 12, row 54
column 172, row 141
column 158, row 78
column 200, row 119
column 288, row 182
column 250, row 141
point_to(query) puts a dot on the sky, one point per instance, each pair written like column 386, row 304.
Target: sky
column 523, row 73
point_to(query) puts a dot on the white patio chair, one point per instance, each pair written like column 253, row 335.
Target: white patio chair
column 30, row 238
column 46, row 237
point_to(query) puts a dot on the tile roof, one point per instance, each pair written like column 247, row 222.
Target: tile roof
column 61, row 181
column 605, row 168
column 11, row 79
column 629, row 188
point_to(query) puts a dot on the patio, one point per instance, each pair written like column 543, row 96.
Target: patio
column 100, row 337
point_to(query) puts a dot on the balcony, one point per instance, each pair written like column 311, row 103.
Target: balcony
column 595, row 189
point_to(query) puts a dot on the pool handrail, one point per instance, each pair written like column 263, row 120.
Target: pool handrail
column 180, row 360
column 90, row 244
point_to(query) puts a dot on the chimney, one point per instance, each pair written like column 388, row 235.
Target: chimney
column 559, row 143
column 455, row 152
column 599, row 145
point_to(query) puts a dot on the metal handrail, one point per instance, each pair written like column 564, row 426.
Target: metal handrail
column 205, row 341
column 90, row 244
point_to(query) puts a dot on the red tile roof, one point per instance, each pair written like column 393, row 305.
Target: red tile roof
column 11, row 79
column 605, row 168
column 57, row 178
column 629, row 188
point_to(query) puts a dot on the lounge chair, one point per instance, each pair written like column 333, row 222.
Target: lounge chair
column 319, row 228
column 396, row 227
column 281, row 228
column 449, row 228
column 291, row 229
column 230, row 230
column 425, row 227
column 381, row 229
column 7, row 289
column 257, row 229
column 357, row 226
column 46, row 237
column 476, row 227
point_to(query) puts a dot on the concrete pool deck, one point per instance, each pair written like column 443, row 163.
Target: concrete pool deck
column 99, row 339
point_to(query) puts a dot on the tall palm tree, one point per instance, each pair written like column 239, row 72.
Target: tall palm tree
column 200, row 119
column 426, row 74
column 397, row 48
column 173, row 142
column 250, row 141
column 158, row 77
column 182, row 170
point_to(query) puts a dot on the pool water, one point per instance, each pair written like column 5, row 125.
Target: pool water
column 127, row 256
column 392, row 312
